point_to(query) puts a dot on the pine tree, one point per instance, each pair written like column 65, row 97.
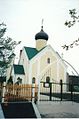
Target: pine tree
column 7, row 47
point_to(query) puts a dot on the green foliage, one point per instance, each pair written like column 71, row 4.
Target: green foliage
column 74, row 19
column 74, row 43
column 7, row 47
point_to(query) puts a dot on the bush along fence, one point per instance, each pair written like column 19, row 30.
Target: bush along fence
column 22, row 92
column 53, row 91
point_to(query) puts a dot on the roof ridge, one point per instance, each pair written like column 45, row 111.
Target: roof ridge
column 18, row 64
column 29, row 47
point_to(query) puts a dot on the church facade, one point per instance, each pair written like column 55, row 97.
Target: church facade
column 41, row 63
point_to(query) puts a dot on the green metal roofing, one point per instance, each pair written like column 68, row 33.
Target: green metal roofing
column 31, row 52
column 18, row 69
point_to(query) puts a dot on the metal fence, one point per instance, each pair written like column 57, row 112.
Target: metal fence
column 59, row 91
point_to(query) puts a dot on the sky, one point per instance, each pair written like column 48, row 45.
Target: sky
column 23, row 19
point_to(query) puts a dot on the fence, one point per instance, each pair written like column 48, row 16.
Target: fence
column 23, row 92
column 48, row 91
column 59, row 91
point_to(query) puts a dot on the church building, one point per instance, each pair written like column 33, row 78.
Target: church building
column 41, row 63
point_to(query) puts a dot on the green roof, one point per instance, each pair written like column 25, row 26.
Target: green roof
column 31, row 52
column 18, row 69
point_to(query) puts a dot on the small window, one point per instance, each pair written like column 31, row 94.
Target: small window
column 47, row 79
column 48, row 60
column 33, row 80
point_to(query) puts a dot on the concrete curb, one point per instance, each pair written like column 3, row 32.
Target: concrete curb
column 36, row 110
column 1, row 113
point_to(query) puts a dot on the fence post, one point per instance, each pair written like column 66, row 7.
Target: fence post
column 3, row 91
column 50, row 96
column 36, row 97
column 71, row 90
column 61, row 89
column 33, row 92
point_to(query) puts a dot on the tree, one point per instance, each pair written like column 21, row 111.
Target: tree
column 7, row 47
column 74, row 19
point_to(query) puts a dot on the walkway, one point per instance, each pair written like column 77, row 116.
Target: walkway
column 59, row 109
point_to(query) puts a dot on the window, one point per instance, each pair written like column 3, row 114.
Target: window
column 33, row 80
column 48, row 60
column 47, row 79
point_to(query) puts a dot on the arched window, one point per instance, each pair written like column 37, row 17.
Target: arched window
column 33, row 80
column 47, row 79
column 48, row 60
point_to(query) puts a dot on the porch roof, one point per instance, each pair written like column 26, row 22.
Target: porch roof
column 19, row 69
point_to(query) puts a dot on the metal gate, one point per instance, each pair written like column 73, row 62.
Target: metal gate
column 58, row 91
column 49, row 91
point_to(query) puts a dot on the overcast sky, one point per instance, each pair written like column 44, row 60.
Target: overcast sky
column 23, row 19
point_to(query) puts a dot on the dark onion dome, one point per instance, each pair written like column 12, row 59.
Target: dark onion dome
column 41, row 35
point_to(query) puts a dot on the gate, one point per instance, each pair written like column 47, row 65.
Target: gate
column 50, row 91
column 22, row 92
column 58, row 91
